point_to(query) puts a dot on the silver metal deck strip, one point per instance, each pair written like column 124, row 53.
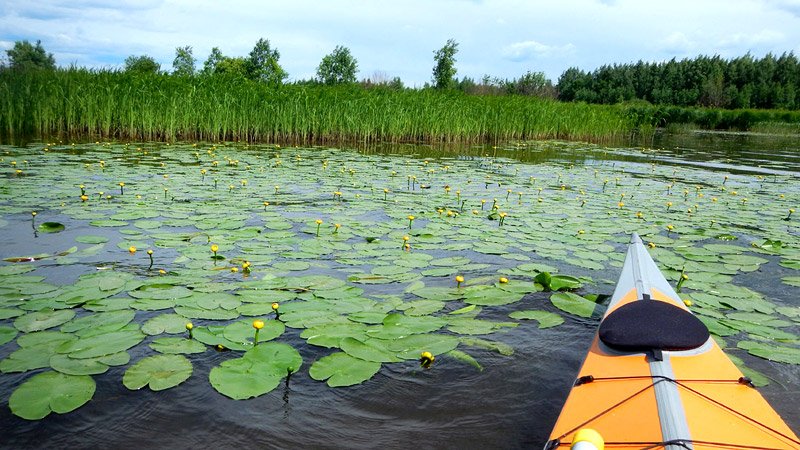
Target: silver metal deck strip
column 671, row 414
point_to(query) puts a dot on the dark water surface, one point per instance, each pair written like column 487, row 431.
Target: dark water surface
column 512, row 403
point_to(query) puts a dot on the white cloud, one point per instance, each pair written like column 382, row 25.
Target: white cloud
column 526, row 50
column 754, row 39
column 678, row 43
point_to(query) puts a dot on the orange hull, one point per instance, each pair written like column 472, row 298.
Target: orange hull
column 665, row 398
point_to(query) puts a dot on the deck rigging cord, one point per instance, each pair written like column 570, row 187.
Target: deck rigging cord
column 554, row 443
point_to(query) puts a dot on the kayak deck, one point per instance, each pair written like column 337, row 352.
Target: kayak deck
column 649, row 395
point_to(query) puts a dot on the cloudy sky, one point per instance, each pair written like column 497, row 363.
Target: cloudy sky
column 501, row 38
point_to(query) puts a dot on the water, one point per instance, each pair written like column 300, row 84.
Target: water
column 512, row 403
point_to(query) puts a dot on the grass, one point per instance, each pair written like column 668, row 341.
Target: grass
column 111, row 104
column 756, row 120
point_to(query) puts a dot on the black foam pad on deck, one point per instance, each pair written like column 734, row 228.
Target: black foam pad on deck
column 651, row 324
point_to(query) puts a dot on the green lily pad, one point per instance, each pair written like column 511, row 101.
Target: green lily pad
column 341, row 369
column 89, row 239
column 158, row 372
column 259, row 371
column 51, row 227
column 779, row 353
column 42, row 320
column 368, row 349
column 330, row 335
column 177, row 345
column 165, row 323
column 422, row 307
column 546, row 319
column 466, row 325
column 410, row 347
column 103, row 344
column 243, row 332
column 7, row 334
column 98, row 319
column 573, row 304
column 51, row 392
column 70, row 366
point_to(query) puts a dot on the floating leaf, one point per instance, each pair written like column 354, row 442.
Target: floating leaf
column 242, row 332
column 103, row 344
column 165, row 323
column 158, row 372
column 573, row 304
column 779, row 353
column 368, row 349
column 341, row 369
column 51, row 227
column 257, row 372
column 176, row 345
column 7, row 334
column 97, row 320
column 546, row 319
column 410, row 347
column 499, row 347
column 51, row 391
column 330, row 335
column 463, row 357
column 71, row 366
column 42, row 320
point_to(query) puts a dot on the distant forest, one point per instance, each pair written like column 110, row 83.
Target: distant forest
column 740, row 83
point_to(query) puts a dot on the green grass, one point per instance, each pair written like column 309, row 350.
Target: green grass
column 110, row 104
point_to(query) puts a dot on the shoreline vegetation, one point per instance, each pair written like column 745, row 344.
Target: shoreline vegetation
column 102, row 104
column 114, row 104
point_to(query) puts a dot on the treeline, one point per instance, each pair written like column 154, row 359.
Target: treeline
column 740, row 83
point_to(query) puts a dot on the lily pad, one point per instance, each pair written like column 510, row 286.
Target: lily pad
column 259, row 371
column 368, row 349
column 341, row 369
column 103, row 344
column 573, row 304
column 51, row 227
column 242, row 332
column 51, row 392
column 158, row 372
column 546, row 319
column 177, row 345
column 42, row 320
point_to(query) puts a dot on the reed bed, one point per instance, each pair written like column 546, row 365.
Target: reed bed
column 111, row 104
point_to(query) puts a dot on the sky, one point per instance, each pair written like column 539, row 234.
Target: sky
column 499, row 38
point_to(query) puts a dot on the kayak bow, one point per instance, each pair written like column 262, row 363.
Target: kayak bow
column 654, row 378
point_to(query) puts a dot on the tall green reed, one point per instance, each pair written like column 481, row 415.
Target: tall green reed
column 78, row 102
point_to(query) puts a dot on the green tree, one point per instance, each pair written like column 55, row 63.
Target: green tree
column 141, row 64
column 25, row 55
column 210, row 66
column 236, row 67
column 338, row 67
column 444, row 71
column 532, row 83
column 262, row 64
column 183, row 64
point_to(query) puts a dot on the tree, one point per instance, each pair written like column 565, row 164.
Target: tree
column 232, row 66
column 532, row 83
column 141, row 64
column 262, row 64
column 210, row 66
column 444, row 71
column 338, row 67
column 25, row 56
column 183, row 64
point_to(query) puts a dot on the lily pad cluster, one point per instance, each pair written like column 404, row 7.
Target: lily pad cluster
column 373, row 258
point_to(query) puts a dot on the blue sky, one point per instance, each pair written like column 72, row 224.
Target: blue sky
column 500, row 38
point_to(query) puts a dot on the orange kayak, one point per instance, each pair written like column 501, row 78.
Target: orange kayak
column 655, row 379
